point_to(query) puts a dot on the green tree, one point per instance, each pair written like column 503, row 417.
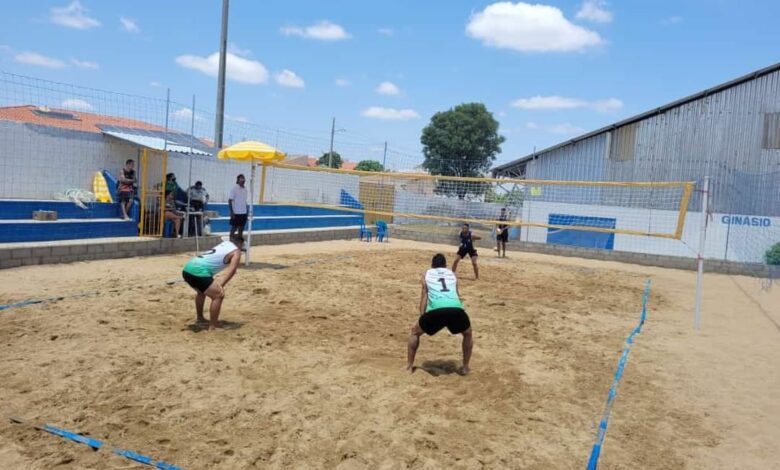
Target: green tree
column 335, row 163
column 462, row 141
column 772, row 255
column 369, row 165
column 513, row 197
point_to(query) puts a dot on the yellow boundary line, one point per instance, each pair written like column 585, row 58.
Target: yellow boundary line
column 582, row 228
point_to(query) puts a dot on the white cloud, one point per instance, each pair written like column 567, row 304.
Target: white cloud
column 343, row 82
column 390, row 114
column 155, row 84
column 385, row 31
column 73, row 16
column 672, row 20
column 529, row 28
column 323, row 31
column 77, row 104
column 33, row 58
column 129, row 25
column 560, row 129
column 549, row 102
column 288, row 78
column 556, row 103
column 607, row 105
column 595, row 10
column 239, row 69
column 235, row 49
column 185, row 114
column 85, row 64
column 388, row 88
column 502, row 114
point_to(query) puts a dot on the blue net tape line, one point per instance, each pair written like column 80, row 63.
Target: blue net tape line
column 596, row 451
column 146, row 460
column 94, row 443
column 97, row 444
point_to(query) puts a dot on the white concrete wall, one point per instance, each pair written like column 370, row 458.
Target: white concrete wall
column 725, row 238
column 284, row 185
column 37, row 162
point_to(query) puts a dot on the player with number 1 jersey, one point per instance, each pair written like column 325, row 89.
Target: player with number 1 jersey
column 440, row 307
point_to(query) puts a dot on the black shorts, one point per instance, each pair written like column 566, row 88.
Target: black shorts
column 503, row 236
column 238, row 220
column 198, row 283
column 467, row 250
column 455, row 319
column 125, row 196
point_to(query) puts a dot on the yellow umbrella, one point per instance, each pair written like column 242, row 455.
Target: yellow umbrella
column 253, row 152
column 256, row 152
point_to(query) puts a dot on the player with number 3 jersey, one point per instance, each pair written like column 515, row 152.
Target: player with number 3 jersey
column 440, row 307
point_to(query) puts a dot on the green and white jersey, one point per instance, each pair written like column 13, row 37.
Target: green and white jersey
column 442, row 289
column 211, row 262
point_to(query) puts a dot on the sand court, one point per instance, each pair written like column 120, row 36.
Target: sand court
column 308, row 372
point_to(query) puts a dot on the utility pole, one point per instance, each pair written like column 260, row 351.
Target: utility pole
column 332, row 133
column 221, row 78
column 384, row 158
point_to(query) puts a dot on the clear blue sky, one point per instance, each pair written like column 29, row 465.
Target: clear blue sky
column 547, row 71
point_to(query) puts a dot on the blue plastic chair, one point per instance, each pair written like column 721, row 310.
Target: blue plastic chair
column 381, row 231
column 168, row 229
column 364, row 233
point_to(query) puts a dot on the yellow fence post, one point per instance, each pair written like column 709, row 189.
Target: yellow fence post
column 161, row 230
column 144, row 179
column 262, row 184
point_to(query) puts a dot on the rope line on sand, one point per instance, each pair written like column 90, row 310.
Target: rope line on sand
column 596, row 451
column 97, row 444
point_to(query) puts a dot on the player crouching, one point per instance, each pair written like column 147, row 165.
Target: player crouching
column 199, row 273
column 440, row 306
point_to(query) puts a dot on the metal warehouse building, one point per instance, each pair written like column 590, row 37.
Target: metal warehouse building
column 730, row 133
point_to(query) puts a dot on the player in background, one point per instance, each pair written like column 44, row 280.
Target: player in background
column 467, row 248
column 440, row 306
column 502, row 233
column 199, row 273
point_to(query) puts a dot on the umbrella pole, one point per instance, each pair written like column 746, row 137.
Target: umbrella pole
column 251, row 213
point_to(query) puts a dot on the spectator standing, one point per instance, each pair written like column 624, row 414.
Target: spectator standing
column 126, row 188
column 237, row 202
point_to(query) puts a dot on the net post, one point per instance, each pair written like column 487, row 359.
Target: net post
column 700, row 255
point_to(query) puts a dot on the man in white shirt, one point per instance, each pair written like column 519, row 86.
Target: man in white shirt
column 237, row 202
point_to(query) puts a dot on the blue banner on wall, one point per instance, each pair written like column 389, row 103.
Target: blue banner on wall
column 557, row 236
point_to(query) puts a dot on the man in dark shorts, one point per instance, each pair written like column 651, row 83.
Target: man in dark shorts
column 440, row 307
column 199, row 273
column 467, row 248
column 238, row 203
column 502, row 233
column 126, row 188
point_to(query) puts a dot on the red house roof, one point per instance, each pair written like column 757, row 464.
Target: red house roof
column 69, row 119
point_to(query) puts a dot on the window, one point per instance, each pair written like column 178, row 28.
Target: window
column 622, row 144
column 45, row 111
column 771, row 131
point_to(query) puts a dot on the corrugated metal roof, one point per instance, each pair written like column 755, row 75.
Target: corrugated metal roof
column 183, row 144
column 645, row 115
